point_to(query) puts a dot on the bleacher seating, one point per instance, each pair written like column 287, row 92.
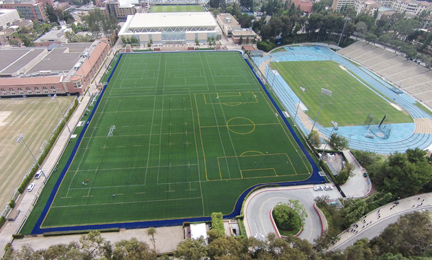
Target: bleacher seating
column 408, row 75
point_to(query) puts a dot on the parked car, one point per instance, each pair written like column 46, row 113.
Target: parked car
column 365, row 174
column 30, row 187
column 328, row 187
column 318, row 188
column 38, row 174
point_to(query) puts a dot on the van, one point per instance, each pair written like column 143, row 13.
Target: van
column 38, row 174
column 30, row 187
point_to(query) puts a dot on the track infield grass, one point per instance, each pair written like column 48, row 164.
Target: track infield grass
column 351, row 101
column 176, row 8
column 190, row 133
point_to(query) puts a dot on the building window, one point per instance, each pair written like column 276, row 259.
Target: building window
column 36, row 88
column 44, row 88
column 3, row 89
column 11, row 89
column 52, row 87
column 54, row 91
column 19, row 88
column 27, row 88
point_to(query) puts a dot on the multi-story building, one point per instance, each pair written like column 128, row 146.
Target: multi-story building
column 60, row 69
column 173, row 27
column 46, row 2
column 385, row 3
column 366, row 6
column 227, row 23
column 411, row 7
column 7, row 17
column 99, row 3
column 120, row 12
column 31, row 11
column 338, row 4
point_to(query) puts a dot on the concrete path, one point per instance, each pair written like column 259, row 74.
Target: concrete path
column 166, row 238
column 357, row 185
column 260, row 203
column 376, row 221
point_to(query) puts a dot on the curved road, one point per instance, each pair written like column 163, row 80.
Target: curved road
column 259, row 204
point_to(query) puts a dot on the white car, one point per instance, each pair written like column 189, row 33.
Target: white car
column 38, row 174
column 30, row 187
column 327, row 187
column 318, row 188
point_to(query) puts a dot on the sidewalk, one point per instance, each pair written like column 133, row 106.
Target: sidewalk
column 28, row 198
column 357, row 185
column 373, row 219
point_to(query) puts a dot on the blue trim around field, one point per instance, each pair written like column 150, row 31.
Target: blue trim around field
column 313, row 179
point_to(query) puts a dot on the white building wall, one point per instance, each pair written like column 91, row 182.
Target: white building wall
column 8, row 16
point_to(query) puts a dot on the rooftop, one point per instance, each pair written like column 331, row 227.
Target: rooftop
column 61, row 59
column 172, row 19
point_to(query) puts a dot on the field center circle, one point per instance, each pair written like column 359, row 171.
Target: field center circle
column 237, row 122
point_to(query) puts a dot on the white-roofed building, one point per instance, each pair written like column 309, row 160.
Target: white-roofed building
column 198, row 230
column 174, row 27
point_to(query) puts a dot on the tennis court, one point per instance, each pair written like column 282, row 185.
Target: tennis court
column 175, row 135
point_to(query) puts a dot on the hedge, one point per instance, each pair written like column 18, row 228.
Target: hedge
column 265, row 46
column 45, row 152
column 12, row 204
column 78, row 232
column 217, row 222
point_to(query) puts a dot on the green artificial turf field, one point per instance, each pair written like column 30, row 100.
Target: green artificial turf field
column 351, row 101
column 190, row 132
column 176, row 8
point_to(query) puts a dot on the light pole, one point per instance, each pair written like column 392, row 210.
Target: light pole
column 346, row 20
column 303, row 90
column 54, row 98
column 325, row 92
column 21, row 138
column 325, row 146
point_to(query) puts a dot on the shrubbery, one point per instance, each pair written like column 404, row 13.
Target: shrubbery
column 217, row 222
column 265, row 46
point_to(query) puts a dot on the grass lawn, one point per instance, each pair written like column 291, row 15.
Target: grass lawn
column 350, row 102
column 190, row 132
column 176, row 8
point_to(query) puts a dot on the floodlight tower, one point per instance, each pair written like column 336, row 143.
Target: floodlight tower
column 346, row 20
column 325, row 92
column 303, row 90
column 55, row 98
column 21, row 138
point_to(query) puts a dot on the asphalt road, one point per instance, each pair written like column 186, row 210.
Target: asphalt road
column 260, row 204
column 376, row 229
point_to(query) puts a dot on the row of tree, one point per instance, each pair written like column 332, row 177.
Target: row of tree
column 409, row 238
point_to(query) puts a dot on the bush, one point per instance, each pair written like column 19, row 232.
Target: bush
column 265, row 46
column 78, row 232
column 2, row 221
column 286, row 218
column 12, row 204
column 217, row 222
